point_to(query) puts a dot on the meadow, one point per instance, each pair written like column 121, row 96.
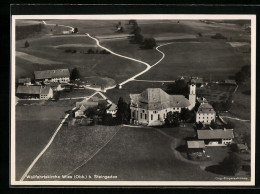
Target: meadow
column 204, row 59
column 103, row 65
column 34, row 127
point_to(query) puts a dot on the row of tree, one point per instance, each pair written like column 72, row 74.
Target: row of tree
column 145, row 43
column 243, row 75
column 173, row 119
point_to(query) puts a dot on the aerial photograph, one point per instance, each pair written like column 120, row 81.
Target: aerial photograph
column 132, row 100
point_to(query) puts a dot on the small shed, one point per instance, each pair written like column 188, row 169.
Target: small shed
column 195, row 146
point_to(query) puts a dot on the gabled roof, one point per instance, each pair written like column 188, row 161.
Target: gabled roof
column 56, row 73
column 157, row 99
column 24, row 80
column 215, row 134
column 28, row 90
column 33, row 90
column 230, row 81
column 205, row 108
column 196, row 144
column 112, row 107
column 86, row 104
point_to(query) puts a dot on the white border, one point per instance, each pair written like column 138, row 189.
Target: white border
column 139, row 17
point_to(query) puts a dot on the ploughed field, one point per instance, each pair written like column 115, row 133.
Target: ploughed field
column 34, row 126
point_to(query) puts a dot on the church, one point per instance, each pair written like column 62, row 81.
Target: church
column 152, row 105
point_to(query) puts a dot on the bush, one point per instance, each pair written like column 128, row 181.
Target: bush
column 26, row 44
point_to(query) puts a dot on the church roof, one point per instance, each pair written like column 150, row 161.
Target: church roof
column 157, row 99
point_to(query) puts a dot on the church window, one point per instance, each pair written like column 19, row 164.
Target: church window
column 151, row 116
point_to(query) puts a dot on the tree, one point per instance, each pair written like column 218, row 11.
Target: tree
column 74, row 74
column 213, row 124
column 229, row 125
column 137, row 30
column 26, row 44
column 180, row 87
column 247, row 139
column 149, row 43
column 139, row 38
column 91, row 51
column 185, row 114
column 172, row 119
column 132, row 22
column 75, row 30
column 123, row 112
column 232, row 163
column 199, row 125
column 122, row 29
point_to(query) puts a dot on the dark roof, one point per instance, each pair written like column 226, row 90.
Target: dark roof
column 215, row 134
column 205, row 108
column 56, row 73
column 230, row 81
column 157, row 99
column 24, row 80
column 33, row 90
column 197, row 80
column 196, row 144
column 202, row 100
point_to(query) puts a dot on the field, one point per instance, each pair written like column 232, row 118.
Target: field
column 204, row 59
column 216, row 92
column 242, row 101
column 34, row 127
column 71, row 148
column 76, row 93
column 48, row 48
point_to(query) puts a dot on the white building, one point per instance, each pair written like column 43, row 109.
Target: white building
column 205, row 113
column 34, row 92
column 152, row 105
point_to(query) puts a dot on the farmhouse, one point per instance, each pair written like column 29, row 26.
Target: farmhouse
column 205, row 113
column 152, row 105
column 80, row 111
column 216, row 137
column 112, row 109
column 24, row 81
column 57, row 75
column 230, row 81
column 34, row 92
column 56, row 86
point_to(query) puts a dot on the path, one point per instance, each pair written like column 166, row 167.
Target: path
column 140, row 80
column 45, row 148
column 234, row 118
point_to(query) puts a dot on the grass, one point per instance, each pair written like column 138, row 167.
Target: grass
column 103, row 65
column 129, row 157
column 124, row 47
column 76, row 93
column 71, row 147
column 242, row 102
column 215, row 58
column 34, row 127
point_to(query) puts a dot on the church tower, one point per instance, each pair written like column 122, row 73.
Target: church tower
column 192, row 96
